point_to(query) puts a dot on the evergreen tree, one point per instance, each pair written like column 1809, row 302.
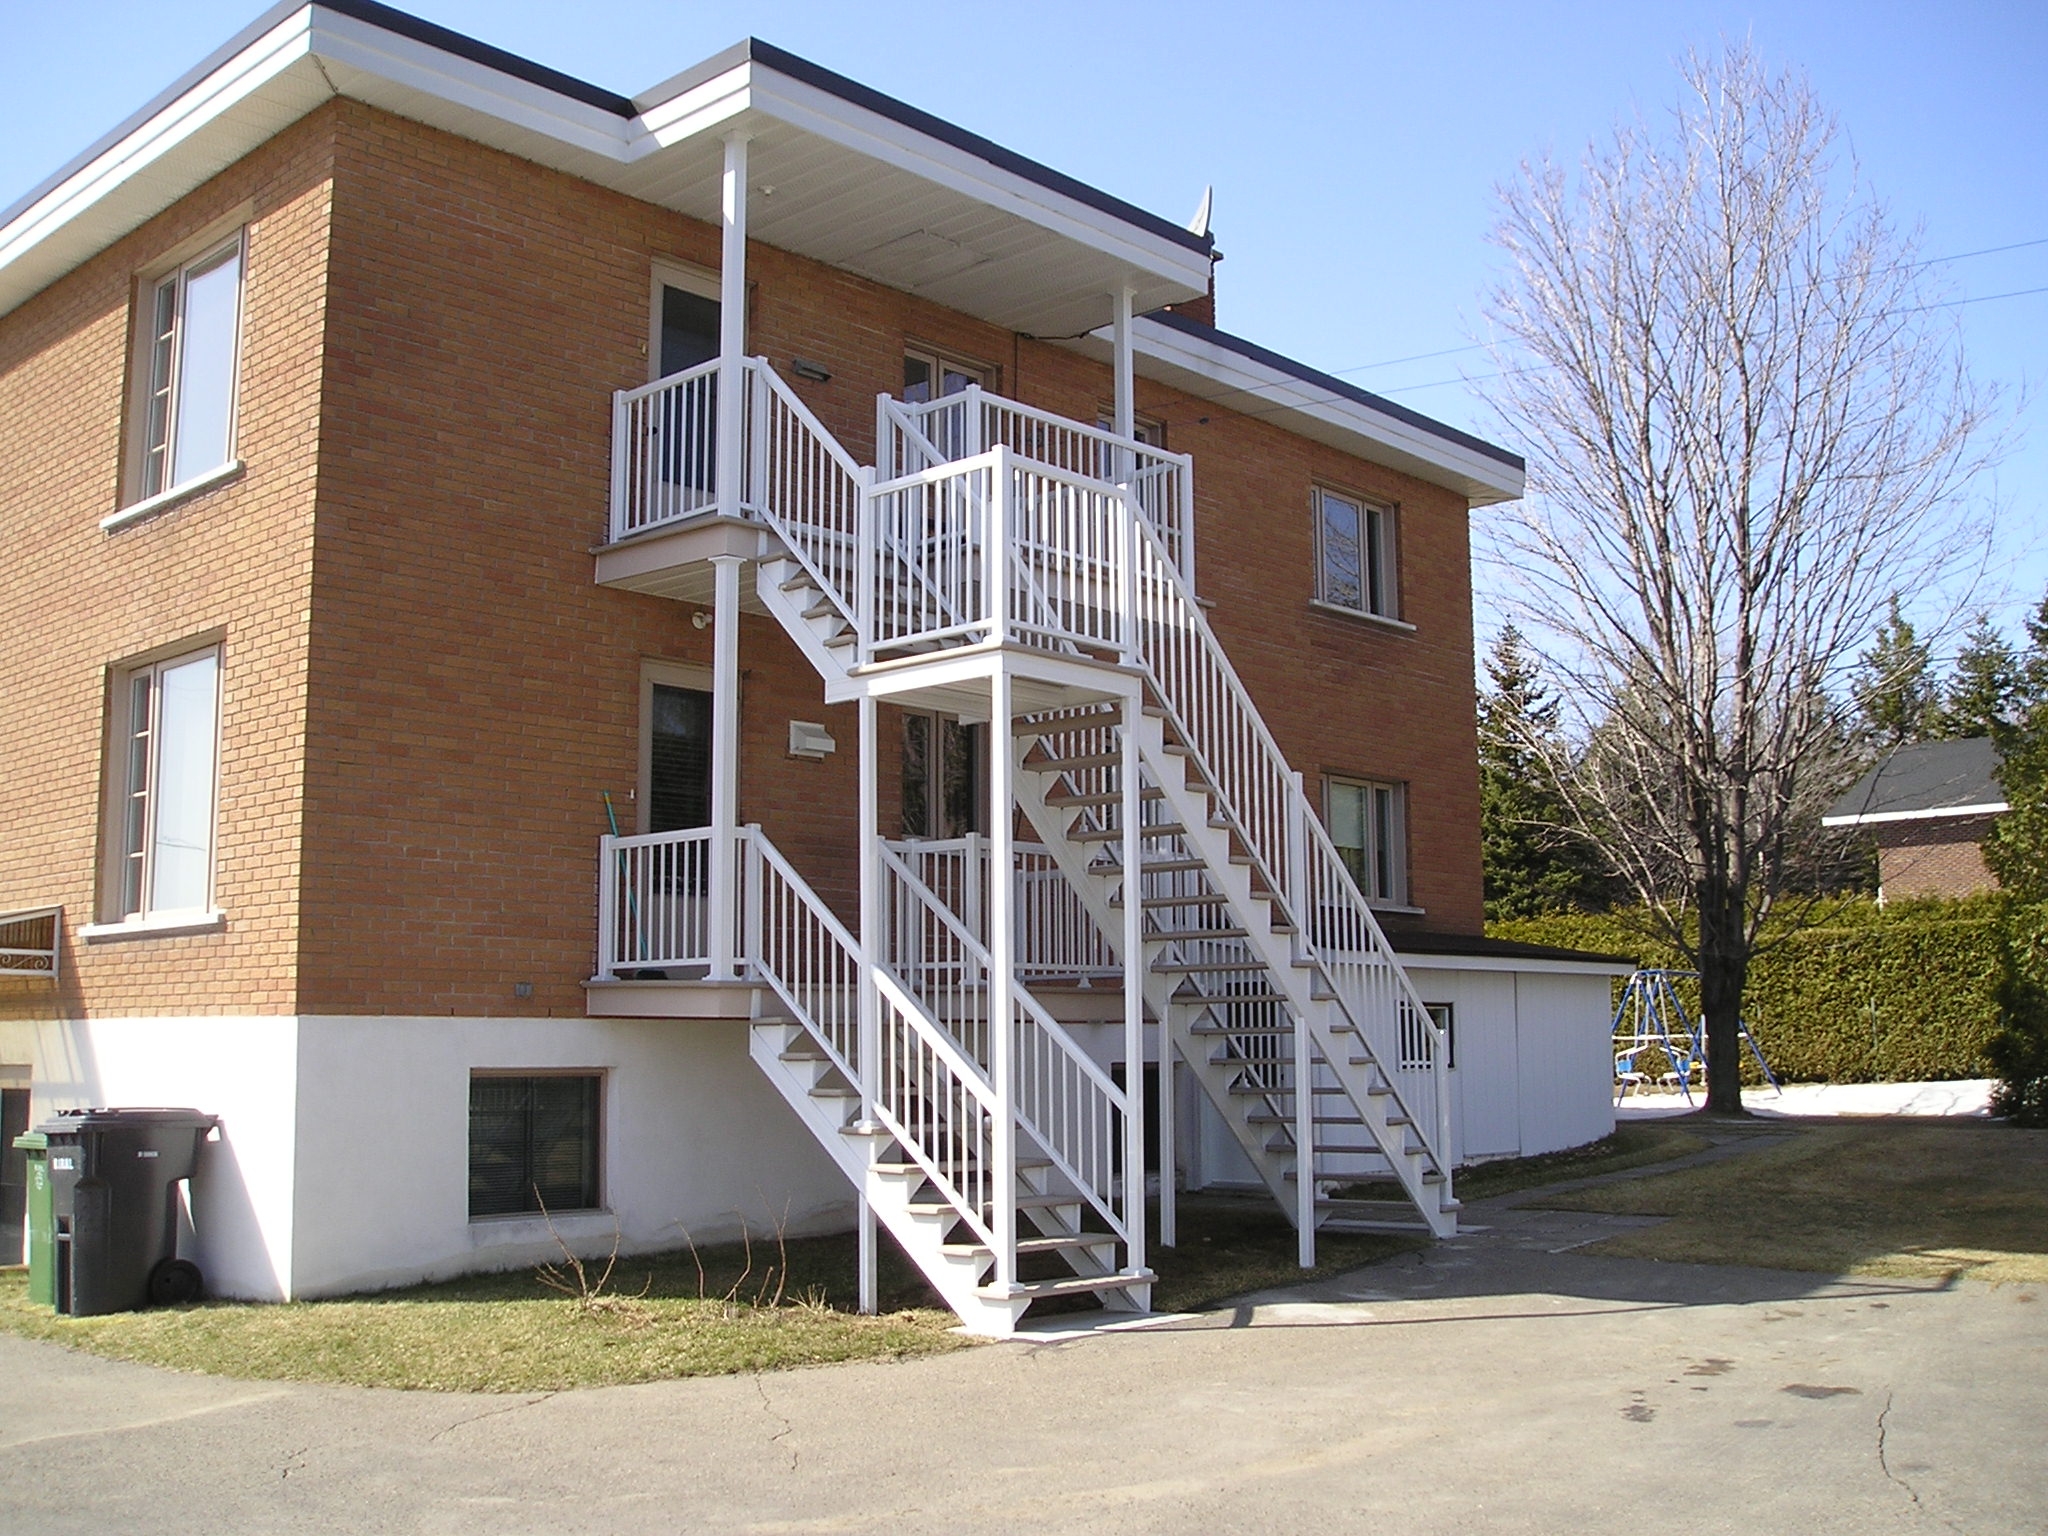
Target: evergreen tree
column 1983, row 695
column 1894, row 685
column 1533, row 862
column 2034, row 664
column 2017, row 851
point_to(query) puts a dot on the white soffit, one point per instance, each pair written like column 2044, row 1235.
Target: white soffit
column 833, row 176
column 1209, row 368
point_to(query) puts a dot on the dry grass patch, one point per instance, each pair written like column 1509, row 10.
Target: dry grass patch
column 1879, row 1198
column 1633, row 1145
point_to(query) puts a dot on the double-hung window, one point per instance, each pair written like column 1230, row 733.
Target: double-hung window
column 192, row 319
column 167, row 730
column 1355, row 555
column 1368, row 823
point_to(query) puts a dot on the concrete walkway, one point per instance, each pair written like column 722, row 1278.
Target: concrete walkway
column 1503, row 1382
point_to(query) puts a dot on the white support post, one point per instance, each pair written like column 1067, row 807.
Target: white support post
column 725, row 759
column 1296, row 882
column 868, row 1048
column 732, row 324
column 1169, row 1141
column 1124, row 407
column 1002, row 930
column 1134, row 996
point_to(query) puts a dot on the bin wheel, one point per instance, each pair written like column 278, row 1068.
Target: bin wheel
column 174, row 1282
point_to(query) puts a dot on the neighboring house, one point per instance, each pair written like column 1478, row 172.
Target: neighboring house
column 415, row 461
column 1928, row 806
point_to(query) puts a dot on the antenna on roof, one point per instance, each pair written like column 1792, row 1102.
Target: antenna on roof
column 1199, row 224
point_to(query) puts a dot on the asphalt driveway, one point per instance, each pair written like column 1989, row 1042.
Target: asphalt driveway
column 1503, row 1382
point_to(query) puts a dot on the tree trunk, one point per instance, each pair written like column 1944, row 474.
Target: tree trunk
column 1724, row 972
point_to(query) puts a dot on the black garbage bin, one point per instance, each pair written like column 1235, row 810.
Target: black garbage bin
column 114, row 1176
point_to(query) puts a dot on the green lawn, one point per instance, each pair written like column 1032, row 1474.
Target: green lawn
column 661, row 1317
column 1890, row 1198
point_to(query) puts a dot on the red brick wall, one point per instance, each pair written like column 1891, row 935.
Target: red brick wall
column 232, row 563
column 459, row 688
column 1933, row 858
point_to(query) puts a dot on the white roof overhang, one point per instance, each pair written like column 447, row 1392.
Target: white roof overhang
column 1238, row 376
column 1925, row 813
column 836, row 172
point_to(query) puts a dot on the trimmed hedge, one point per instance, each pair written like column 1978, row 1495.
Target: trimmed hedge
column 1903, row 993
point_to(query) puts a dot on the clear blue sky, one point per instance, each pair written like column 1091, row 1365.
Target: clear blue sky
column 1354, row 147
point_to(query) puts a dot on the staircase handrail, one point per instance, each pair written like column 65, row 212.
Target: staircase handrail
column 802, row 541
column 1286, row 840
column 1096, row 1185
column 961, row 1085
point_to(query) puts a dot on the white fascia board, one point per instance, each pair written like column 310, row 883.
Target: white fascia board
column 1485, row 479
column 818, row 112
column 1531, row 967
column 352, row 44
column 226, row 87
column 1932, row 813
column 705, row 107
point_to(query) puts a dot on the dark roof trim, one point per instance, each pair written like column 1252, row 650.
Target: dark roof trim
column 853, row 92
column 390, row 19
column 1336, row 386
column 1495, row 949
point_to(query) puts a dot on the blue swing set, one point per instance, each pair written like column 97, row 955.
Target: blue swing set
column 1649, row 1017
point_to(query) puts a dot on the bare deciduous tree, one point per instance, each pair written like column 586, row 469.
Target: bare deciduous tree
column 1748, row 423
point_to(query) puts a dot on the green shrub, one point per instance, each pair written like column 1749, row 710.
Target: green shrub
column 1902, row 993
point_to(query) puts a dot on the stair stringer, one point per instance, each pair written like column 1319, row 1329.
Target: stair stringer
column 1335, row 1043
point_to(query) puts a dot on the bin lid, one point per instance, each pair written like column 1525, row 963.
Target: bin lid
column 71, row 1121
column 32, row 1141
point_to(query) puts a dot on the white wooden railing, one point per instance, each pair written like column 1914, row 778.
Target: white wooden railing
column 1055, row 935
column 918, row 436
column 1268, row 807
column 1064, row 1101
column 654, row 902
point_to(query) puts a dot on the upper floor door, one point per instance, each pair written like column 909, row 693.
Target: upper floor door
column 685, row 335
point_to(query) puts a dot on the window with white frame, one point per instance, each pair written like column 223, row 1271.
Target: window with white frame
column 1355, row 555
column 943, row 763
column 1416, row 1047
column 191, row 335
column 163, row 772
column 1368, row 823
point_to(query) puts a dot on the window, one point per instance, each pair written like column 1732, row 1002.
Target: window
column 933, row 376
column 167, row 716
column 192, row 324
column 1368, row 823
column 533, row 1143
column 942, row 771
column 1355, row 555
column 1415, row 1038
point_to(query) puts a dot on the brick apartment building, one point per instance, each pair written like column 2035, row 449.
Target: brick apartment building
column 420, row 467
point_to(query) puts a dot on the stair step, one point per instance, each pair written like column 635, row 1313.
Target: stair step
column 1024, row 1203
column 1192, row 967
column 1075, row 1243
column 1267, row 1117
column 1116, row 834
column 1153, row 903
column 905, row 1170
column 1069, row 764
column 1213, row 1000
column 1176, row 935
column 1113, row 797
column 1072, row 1285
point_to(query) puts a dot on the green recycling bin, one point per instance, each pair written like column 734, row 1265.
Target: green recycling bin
column 42, row 1272
column 114, row 1177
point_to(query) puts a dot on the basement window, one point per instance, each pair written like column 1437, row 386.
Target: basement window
column 533, row 1143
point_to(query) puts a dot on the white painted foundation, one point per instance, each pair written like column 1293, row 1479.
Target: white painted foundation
column 343, row 1159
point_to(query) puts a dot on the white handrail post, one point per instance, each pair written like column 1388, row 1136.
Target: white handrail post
column 976, row 871
column 996, row 547
column 864, row 547
column 1295, row 876
column 1127, row 551
column 885, row 447
column 622, row 459
column 973, row 437
column 725, row 757
column 1134, row 996
column 607, row 908
column 1304, row 1145
column 758, row 401
column 1185, row 474
column 1002, row 815
column 732, row 321
column 750, row 877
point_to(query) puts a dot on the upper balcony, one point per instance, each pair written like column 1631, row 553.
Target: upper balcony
column 954, row 472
